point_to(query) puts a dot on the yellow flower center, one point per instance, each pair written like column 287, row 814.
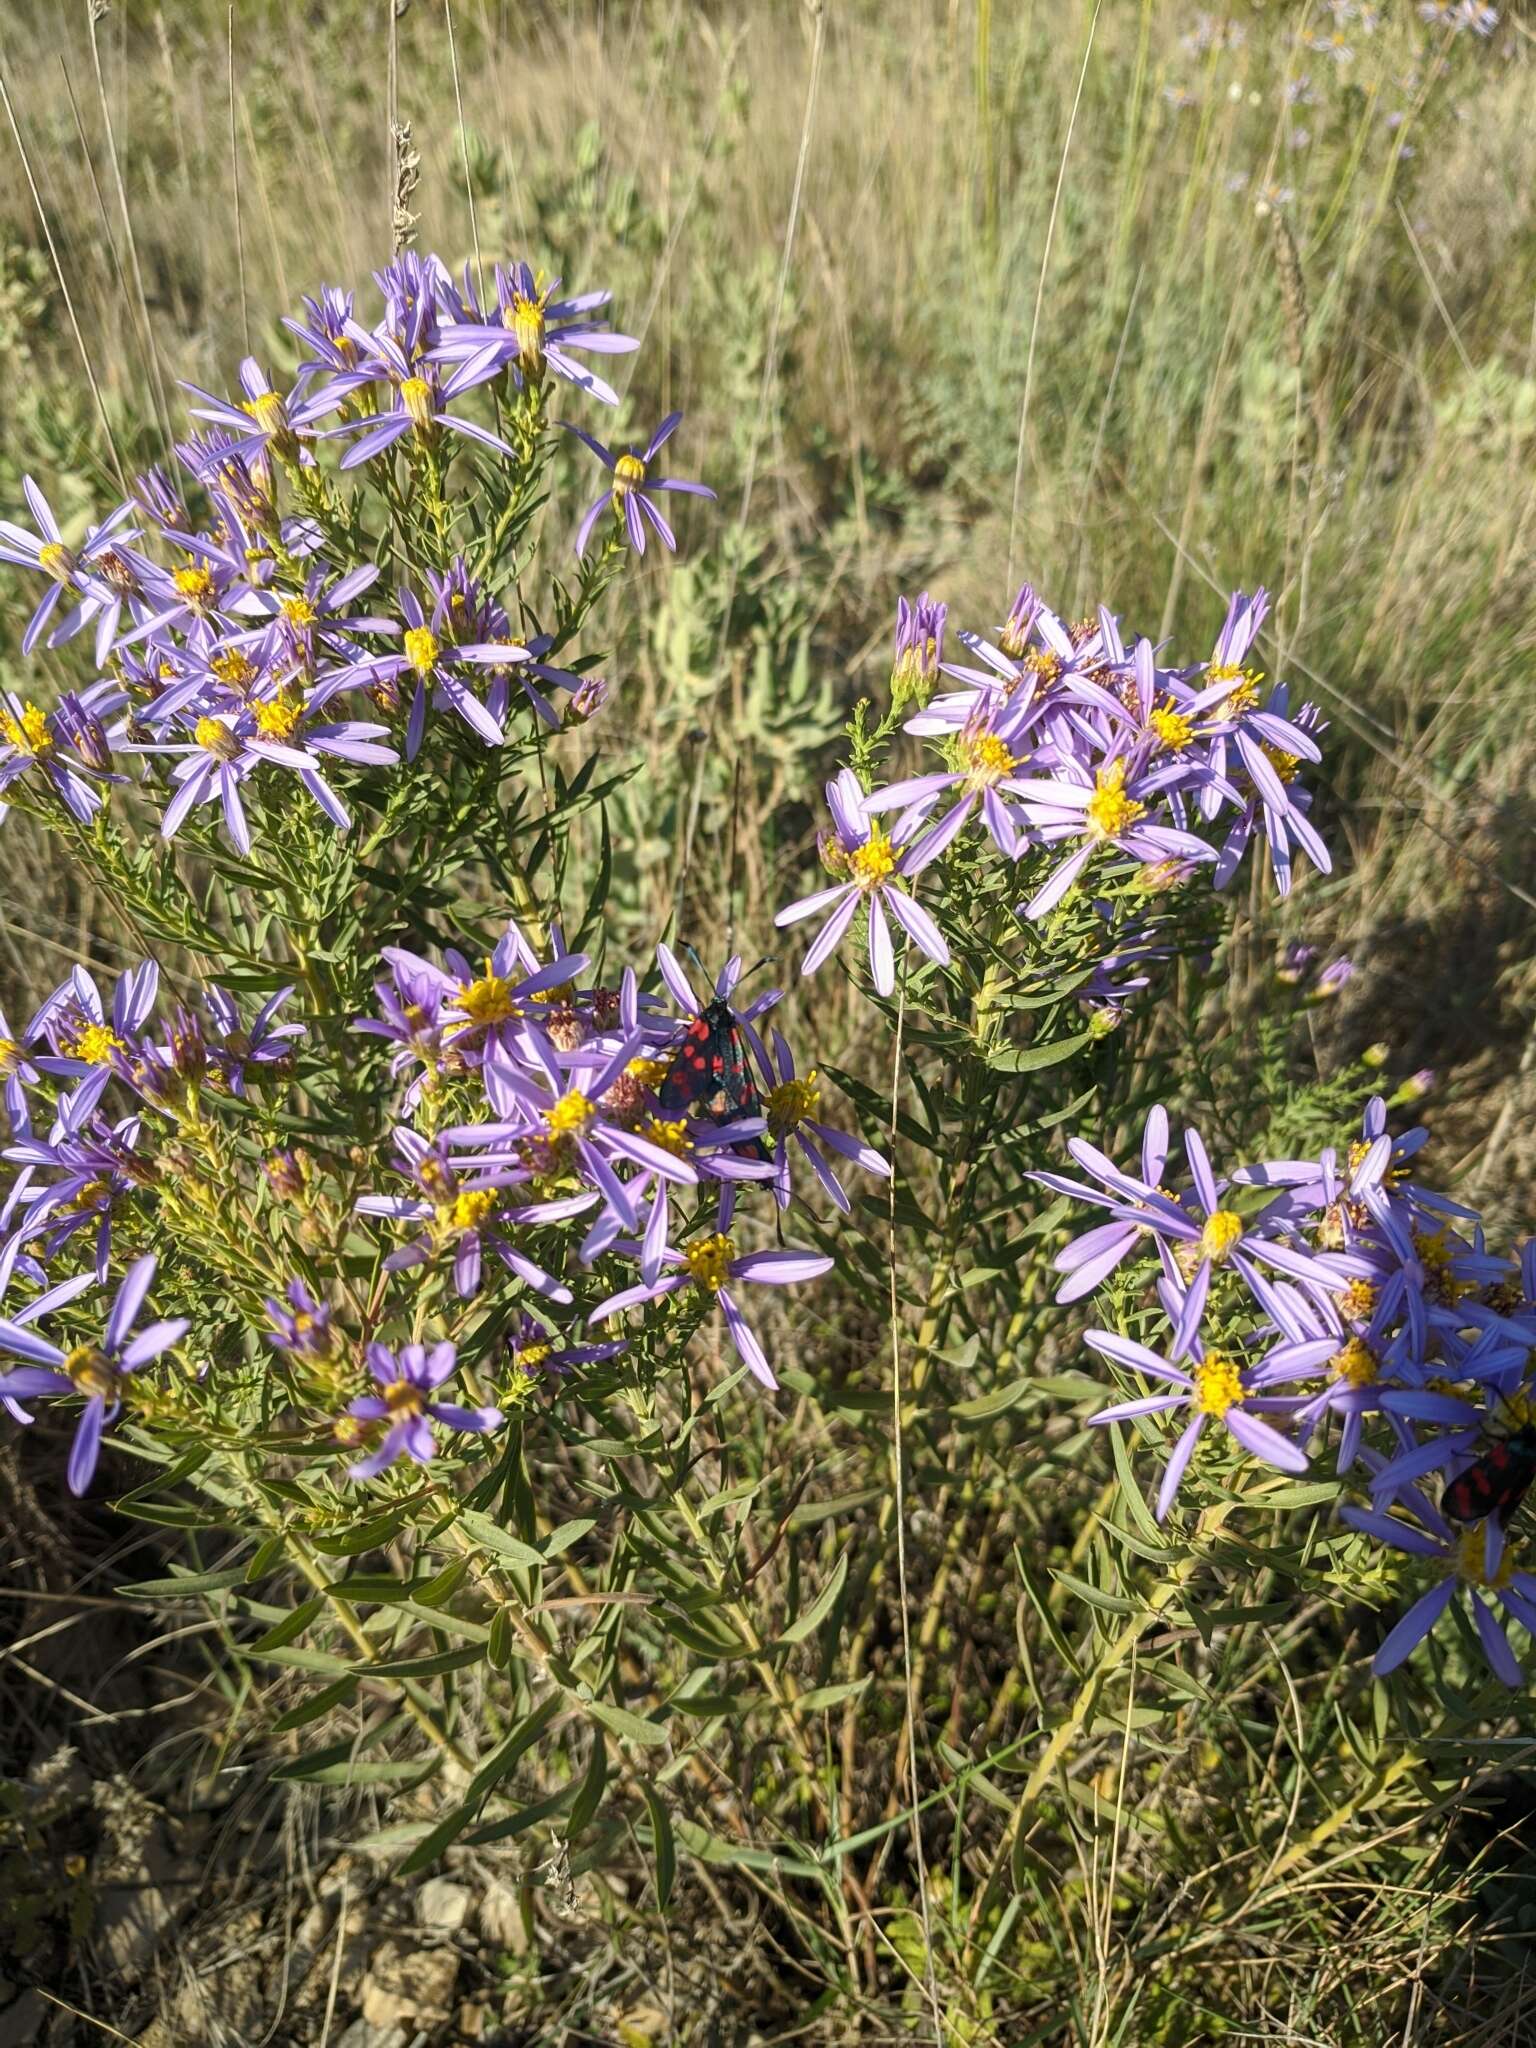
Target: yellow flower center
column 670, row 1133
column 1285, row 765
column 649, row 1073
column 1472, row 1561
column 234, row 670
column 421, row 649
column 531, row 1356
column 1110, row 810
column 195, row 585
column 1218, row 1384
column 91, row 1372
column 870, row 864
column 1358, row 1301
column 1220, row 1237
column 10, row 1055
column 709, row 1260
column 56, row 561
column 268, row 411
column 468, row 1209
column 1173, row 729
column 1042, row 664
column 488, row 1000
column 29, row 733
column 525, row 317
column 278, row 716
column 570, row 1116
column 1244, row 693
column 299, row 613
column 416, row 397
column 403, row 1397
column 96, row 1045
column 787, row 1106
column 986, row 759
column 1355, row 1364
column 215, row 738
column 628, row 471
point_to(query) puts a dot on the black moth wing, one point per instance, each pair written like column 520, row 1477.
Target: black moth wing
column 709, row 1077
column 1496, row 1484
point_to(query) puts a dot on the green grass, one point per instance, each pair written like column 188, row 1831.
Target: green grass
column 1024, row 325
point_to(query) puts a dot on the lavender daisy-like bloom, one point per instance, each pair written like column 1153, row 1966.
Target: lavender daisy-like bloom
column 66, row 568
column 227, row 747
column 86, row 1041
column 434, row 665
column 867, row 864
column 990, row 749
column 1089, row 1260
column 712, row 1264
column 632, row 486
column 791, row 1105
column 408, row 1380
column 30, row 739
column 1219, row 1386
column 417, row 402
column 238, row 1048
column 553, row 1116
column 919, row 647
column 466, row 1213
column 302, row 1327
column 94, row 1168
column 264, row 421
column 534, row 1352
column 1107, row 806
column 537, row 331
column 95, row 1370
column 1473, row 1560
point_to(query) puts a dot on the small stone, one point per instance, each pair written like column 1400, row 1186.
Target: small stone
column 442, row 1906
column 501, row 1918
column 406, row 1985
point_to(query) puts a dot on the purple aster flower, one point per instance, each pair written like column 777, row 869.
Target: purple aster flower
column 557, row 1114
column 302, row 1328
column 96, row 1371
column 1336, row 975
column 1473, row 1560
column 1218, row 1385
column 235, row 1049
column 1105, row 806
column 328, row 331
column 537, row 331
column 919, row 647
column 86, row 1042
column 435, row 667
column 412, row 1002
column 228, row 746
column 94, row 1169
column 632, row 488
column 264, row 422
column 1089, row 1260
column 791, row 1105
column 30, row 739
column 867, row 865
column 534, row 1351
column 991, row 748
column 417, row 402
column 712, row 1264
column 466, row 1213
column 66, row 568
column 409, row 1378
